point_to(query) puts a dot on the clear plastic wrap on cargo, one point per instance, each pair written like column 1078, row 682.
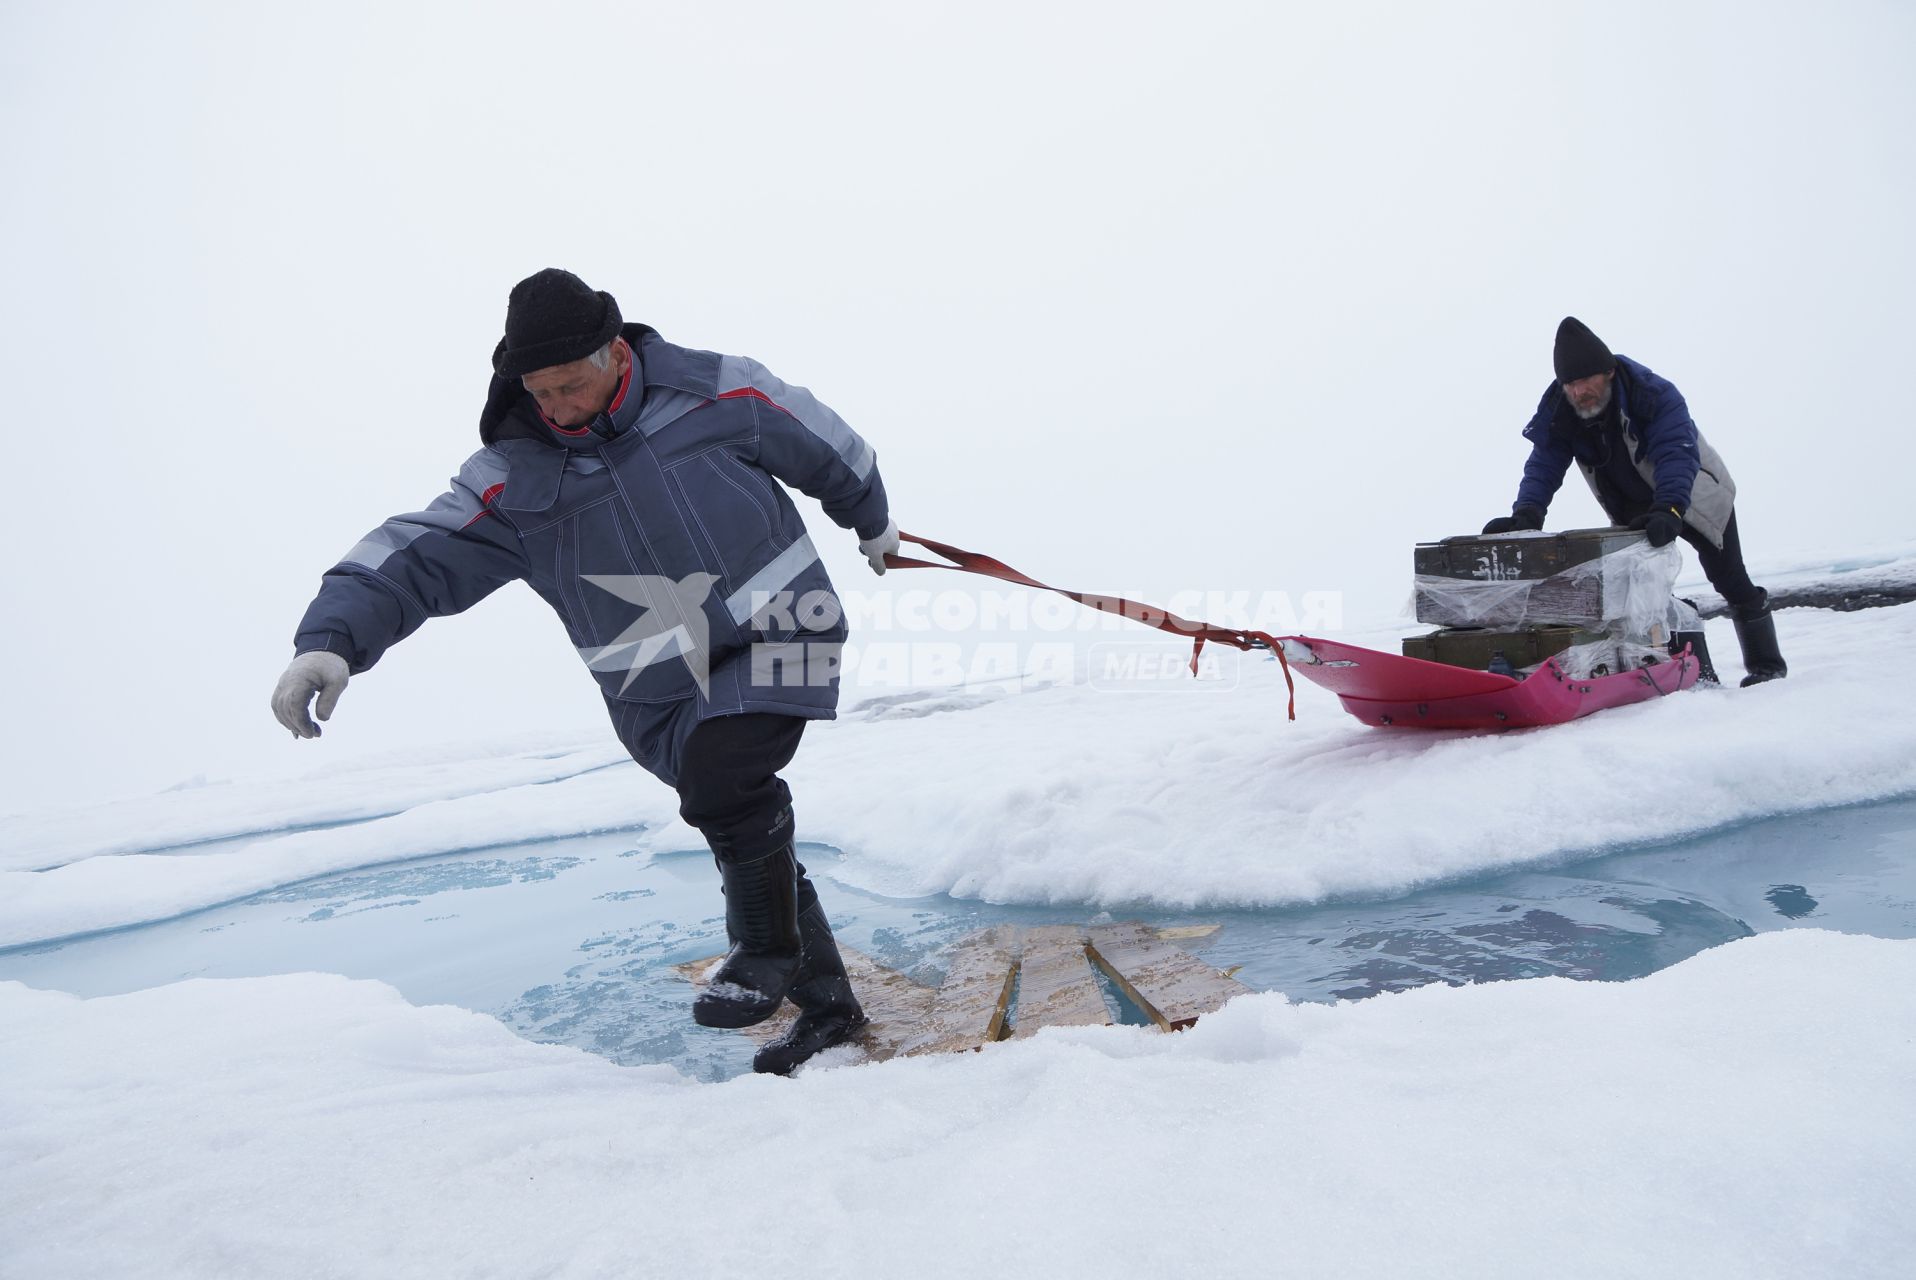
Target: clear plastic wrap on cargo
column 1627, row 591
column 1606, row 656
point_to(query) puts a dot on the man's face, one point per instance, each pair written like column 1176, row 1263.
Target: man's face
column 1590, row 396
column 572, row 395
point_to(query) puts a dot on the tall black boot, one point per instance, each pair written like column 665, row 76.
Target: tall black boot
column 1756, row 632
column 829, row 1014
column 761, row 919
column 1699, row 649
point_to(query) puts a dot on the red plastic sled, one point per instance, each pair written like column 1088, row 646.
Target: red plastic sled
column 1389, row 690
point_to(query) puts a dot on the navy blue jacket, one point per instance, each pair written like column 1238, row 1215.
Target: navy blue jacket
column 660, row 534
column 1684, row 473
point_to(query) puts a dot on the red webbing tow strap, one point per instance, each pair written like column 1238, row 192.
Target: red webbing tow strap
column 1150, row 616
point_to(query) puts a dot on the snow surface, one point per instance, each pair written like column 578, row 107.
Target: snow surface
column 1746, row 1113
column 1193, row 794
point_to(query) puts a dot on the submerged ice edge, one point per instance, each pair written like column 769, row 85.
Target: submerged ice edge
column 844, row 870
column 179, row 821
column 265, row 886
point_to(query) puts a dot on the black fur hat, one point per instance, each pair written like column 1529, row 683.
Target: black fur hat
column 553, row 317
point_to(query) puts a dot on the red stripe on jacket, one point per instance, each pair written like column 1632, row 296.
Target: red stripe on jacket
column 755, row 394
column 492, row 491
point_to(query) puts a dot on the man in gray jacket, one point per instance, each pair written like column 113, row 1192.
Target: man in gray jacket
column 1631, row 436
column 638, row 488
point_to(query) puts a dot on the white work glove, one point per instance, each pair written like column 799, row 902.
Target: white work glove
column 317, row 672
column 876, row 549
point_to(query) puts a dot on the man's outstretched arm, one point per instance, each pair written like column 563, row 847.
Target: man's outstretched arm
column 424, row 564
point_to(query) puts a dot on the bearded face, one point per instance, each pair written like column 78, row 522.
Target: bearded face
column 1591, row 396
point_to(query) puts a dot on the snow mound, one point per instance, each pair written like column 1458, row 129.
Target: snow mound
column 1745, row 1113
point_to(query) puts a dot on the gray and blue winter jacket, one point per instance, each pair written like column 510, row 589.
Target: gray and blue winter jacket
column 659, row 533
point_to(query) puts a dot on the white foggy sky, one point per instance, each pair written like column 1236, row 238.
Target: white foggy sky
column 1154, row 298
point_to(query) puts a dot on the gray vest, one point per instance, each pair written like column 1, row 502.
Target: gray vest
column 1711, row 498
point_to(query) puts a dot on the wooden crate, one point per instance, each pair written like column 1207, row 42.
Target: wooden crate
column 1515, row 580
column 1474, row 647
column 1511, row 557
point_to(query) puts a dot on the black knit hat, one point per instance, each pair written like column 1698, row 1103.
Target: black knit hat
column 1580, row 353
column 553, row 317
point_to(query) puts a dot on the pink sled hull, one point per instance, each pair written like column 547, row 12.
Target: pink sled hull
column 1389, row 690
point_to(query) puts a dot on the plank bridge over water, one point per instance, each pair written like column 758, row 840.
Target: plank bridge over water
column 1010, row 982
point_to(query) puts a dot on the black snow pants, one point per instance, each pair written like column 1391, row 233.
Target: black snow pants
column 729, row 788
column 1724, row 568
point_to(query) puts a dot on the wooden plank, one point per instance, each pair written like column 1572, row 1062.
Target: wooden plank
column 1056, row 987
column 1172, row 986
column 1179, row 932
column 969, row 1009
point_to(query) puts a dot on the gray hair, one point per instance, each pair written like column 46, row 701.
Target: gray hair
column 602, row 358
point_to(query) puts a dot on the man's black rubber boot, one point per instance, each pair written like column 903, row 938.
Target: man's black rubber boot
column 1756, row 632
column 761, row 919
column 829, row 1014
column 1699, row 649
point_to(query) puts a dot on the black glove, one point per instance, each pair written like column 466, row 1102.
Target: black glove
column 1521, row 518
column 1661, row 525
